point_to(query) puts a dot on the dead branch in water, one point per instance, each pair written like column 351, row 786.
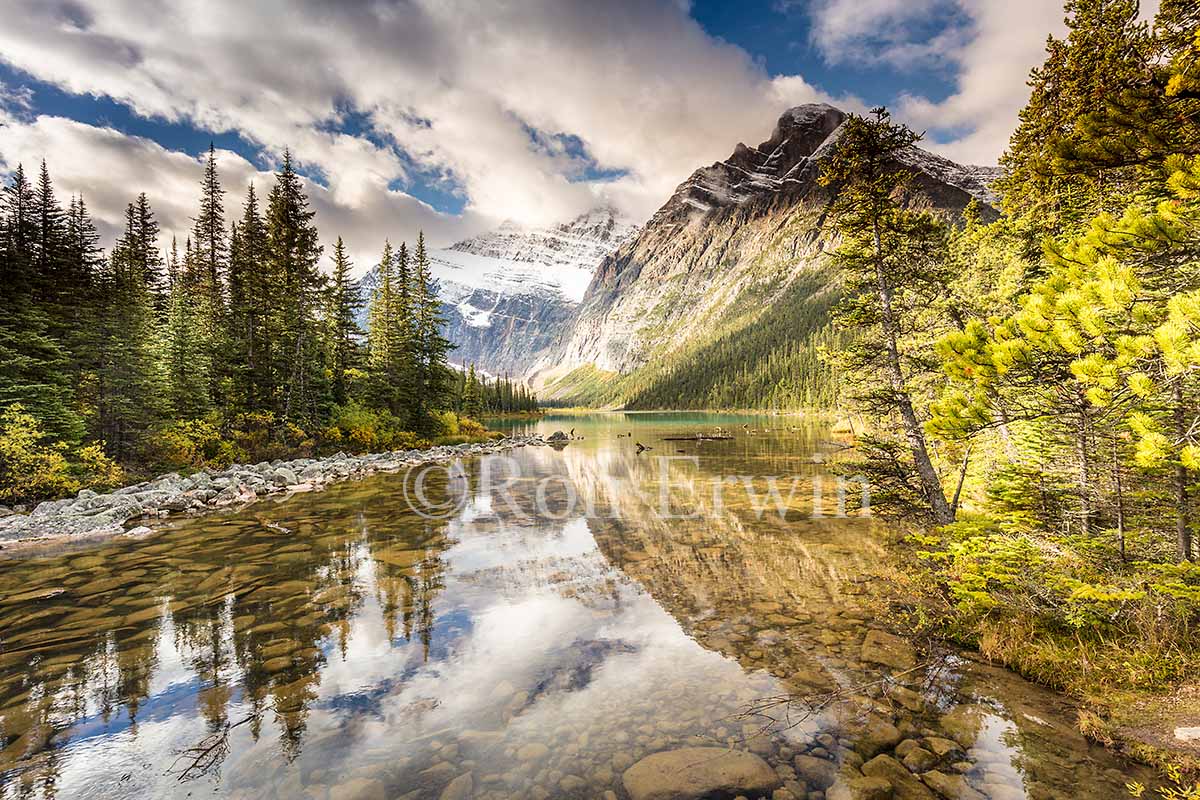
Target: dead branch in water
column 799, row 708
column 206, row 755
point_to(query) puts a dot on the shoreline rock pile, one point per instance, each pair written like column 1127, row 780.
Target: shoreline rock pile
column 90, row 514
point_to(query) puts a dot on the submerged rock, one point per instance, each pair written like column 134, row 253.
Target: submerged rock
column 952, row 786
column 692, row 773
column 863, row 787
column 905, row 785
column 881, row 647
column 460, row 788
column 963, row 724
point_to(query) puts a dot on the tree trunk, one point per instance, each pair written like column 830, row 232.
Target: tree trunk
column 1085, row 477
column 930, row 482
column 1120, row 498
column 1183, row 529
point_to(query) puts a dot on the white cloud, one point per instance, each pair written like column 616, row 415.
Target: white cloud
column 884, row 31
column 109, row 168
column 991, row 44
column 479, row 91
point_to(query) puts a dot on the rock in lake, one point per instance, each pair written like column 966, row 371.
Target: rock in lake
column 905, row 785
column 692, row 773
column 460, row 788
column 862, row 787
column 881, row 647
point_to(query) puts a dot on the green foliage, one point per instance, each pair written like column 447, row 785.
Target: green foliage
column 240, row 349
column 33, row 467
column 191, row 444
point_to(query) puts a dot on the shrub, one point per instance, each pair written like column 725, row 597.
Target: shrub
column 191, row 444
column 365, row 429
column 95, row 470
column 30, row 468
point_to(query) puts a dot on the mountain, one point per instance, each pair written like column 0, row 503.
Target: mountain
column 507, row 293
column 722, row 298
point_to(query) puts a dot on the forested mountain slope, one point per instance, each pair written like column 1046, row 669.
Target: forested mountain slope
column 723, row 297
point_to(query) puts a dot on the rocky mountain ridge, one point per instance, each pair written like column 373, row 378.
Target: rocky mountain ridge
column 729, row 244
column 507, row 293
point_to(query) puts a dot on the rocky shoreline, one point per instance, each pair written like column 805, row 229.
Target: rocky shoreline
column 92, row 515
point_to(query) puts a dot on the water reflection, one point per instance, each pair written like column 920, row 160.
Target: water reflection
column 337, row 646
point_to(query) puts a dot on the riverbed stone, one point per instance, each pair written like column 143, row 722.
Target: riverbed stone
column 460, row 788
column 692, row 773
column 920, row 760
column 876, row 736
column 963, row 723
column 941, row 747
column 862, row 787
column 952, row 787
column 358, row 789
column 888, row 649
column 905, row 785
column 816, row 772
column 534, row 751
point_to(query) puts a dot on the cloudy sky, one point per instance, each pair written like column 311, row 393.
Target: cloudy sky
column 450, row 115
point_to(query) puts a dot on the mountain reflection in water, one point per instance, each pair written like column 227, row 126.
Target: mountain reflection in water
column 338, row 645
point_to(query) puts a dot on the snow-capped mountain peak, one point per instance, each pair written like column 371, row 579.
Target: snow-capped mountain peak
column 506, row 292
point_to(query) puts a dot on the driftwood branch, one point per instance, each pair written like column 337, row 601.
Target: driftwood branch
column 206, row 755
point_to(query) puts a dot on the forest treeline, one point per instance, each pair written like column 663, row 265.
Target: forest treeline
column 234, row 345
column 1032, row 382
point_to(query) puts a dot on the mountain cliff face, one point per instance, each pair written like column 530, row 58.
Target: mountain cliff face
column 507, row 294
column 734, row 243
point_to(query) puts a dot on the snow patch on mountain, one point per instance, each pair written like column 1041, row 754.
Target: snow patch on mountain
column 507, row 293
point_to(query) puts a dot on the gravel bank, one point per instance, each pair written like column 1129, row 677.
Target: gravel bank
column 91, row 515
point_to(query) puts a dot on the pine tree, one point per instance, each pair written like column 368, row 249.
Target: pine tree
column 1104, row 50
column 343, row 331
column 431, row 346
column 35, row 367
column 472, row 396
column 253, row 321
column 207, row 271
column 129, row 389
column 186, row 347
column 293, row 253
column 392, row 363
column 20, row 238
column 892, row 261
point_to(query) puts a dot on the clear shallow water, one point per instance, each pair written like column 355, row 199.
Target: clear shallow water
column 339, row 645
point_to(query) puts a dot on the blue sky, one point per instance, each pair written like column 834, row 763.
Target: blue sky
column 451, row 115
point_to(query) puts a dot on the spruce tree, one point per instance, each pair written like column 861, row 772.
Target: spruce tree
column 342, row 326
column 35, row 367
column 293, row 255
column 130, row 386
column 207, row 270
column 186, row 344
column 431, row 346
column 253, row 317
column 892, row 261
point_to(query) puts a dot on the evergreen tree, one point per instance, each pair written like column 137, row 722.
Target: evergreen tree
column 207, row 270
column 472, row 399
column 35, row 368
column 430, row 345
column 392, row 363
column 293, row 255
column 186, row 344
column 892, row 261
column 130, row 383
column 343, row 330
column 253, row 320
column 1105, row 50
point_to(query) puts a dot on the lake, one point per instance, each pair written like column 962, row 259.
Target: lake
column 526, row 625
